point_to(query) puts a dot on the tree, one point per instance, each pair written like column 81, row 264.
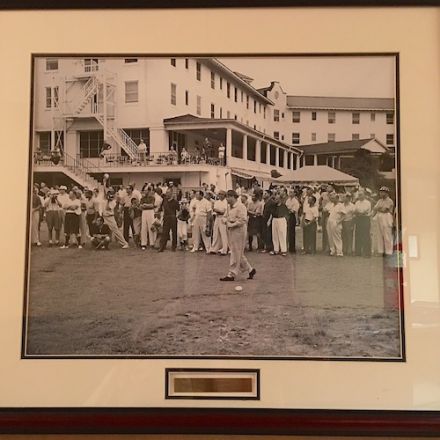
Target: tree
column 365, row 167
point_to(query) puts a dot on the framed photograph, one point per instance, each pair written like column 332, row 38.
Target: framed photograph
column 215, row 226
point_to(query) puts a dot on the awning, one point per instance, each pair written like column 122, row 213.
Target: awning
column 240, row 173
column 318, row 173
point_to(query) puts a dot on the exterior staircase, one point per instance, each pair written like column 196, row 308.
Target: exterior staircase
column 119, row 136
column 80, row 171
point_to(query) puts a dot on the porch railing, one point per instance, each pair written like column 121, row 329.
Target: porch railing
column 159, row 159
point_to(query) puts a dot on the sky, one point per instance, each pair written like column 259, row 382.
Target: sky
column 372, row 77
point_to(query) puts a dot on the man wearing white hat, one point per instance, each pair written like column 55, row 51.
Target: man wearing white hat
column 384, row 210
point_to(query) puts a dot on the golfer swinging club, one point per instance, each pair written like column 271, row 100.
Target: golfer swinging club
column 236, row 223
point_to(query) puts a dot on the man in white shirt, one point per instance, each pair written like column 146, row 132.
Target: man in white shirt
column 220, row 234
column 362, row 212
column 292, row 204
column 334, row 225
column 384, row 211
column 200, row 214
column 142, row 151
column 347, row 225
column 236, row 222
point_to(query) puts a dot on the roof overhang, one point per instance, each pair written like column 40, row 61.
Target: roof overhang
column 220, row 67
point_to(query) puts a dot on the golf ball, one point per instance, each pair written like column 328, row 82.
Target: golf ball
column 239, row 289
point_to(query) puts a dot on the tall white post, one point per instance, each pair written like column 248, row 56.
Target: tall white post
column 268, row 153
column 245, row 147
column 258, row 151
column 228, row 144
column 277, row 156
column 315, row 159
column 286, row 160
column 298, row 162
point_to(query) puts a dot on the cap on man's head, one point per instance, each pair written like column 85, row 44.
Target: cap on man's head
column 232, row 193
column 222, row 192
column 63, row 187
column 384, row 189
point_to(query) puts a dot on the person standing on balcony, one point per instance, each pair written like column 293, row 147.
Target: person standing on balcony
column 236, row 222
column 201, row 214
column 35, row 221
column 221, row 154
column 142, row 152
column 220, row 233
column 147, row 218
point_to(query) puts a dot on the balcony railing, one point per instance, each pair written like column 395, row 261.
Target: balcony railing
column 158, row 159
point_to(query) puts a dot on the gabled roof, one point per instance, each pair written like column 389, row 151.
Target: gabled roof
column 340, row 103
column 244, row 77
column 338, row 147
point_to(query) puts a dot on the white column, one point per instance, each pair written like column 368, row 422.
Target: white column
column 267, row 153
column 245, row 147
column 257, row 151
column 277, row 156
column 286, row 159
column 228, row 144
column 315, row 159
column 292, row 158
column 298, row 162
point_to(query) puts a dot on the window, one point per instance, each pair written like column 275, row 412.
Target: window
column 313, row 116
column 173, row 94
column 390, row 118
column 136, row 134
column 273, row 155
column 44, row 141
column 309, row 160
column 247, row 102
column 186, row 63
column 186, row 97
column 276, row 134
column 52, row 64
column 212, row 111
column 221, row 83
column 355, row 118
column 282, row 136
column 276, row 115
column 90, row 143
column 51, row 97
column 263, row 152
column 295, row 138
column 173, row 62
column 198, row 71
column 255, row 106
column 281, row 158
column 331, row 117
column 235, row 117
column 372, row 116
column 259, row 108
column 331, row 137
column 264, row 112
column 212, row 80
column 91, row 65
column 282, row 115
column 228, row 115
column 322, row 159
column 296, row 117
column 131, row 91
column 390, row 139
column 242, row 95
column 228, row 90
column 235, row 94
column 355, row 137
column 221, row 113
column 313, row 137
column 199, row 105
column 130, row 60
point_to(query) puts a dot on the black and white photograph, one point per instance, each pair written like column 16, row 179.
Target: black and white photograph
column 243, row 207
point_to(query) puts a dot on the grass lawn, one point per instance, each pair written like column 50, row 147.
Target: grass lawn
column 128, row 302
